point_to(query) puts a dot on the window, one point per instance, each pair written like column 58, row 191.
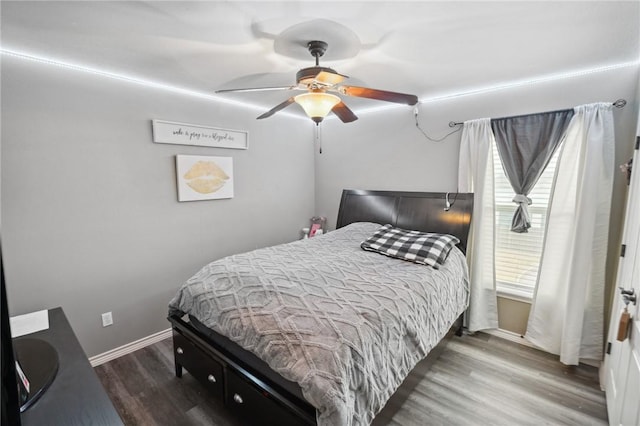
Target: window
column 517, row 256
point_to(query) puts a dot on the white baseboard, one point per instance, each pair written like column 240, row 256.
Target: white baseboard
column 602, row 375
column 592, row 362
column 509, row 335
column 129, row 347
column 515, row 337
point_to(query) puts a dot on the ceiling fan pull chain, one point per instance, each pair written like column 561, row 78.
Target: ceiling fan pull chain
column 319, row 137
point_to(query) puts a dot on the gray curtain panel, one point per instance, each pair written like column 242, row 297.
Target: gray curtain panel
column 526, row 144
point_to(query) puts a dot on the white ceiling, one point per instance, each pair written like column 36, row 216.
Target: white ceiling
column 428, row 49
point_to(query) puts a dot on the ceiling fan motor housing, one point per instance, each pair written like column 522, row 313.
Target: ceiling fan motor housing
column 307, row 76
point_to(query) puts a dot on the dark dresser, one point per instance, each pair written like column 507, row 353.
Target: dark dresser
column 76, row 396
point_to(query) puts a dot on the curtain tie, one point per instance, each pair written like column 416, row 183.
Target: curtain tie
column 521, row 198
column 521, row 221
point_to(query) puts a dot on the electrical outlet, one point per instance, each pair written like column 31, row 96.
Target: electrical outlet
column 107, row 319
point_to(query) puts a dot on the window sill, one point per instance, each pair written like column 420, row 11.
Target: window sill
column 517, row 295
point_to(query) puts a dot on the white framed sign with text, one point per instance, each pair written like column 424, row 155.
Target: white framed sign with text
column 197, row 135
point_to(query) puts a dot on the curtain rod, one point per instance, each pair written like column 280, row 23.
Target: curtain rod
column 620, row 103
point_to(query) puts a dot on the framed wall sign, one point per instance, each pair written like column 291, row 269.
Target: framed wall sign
column 203, row 177
column 194, row 134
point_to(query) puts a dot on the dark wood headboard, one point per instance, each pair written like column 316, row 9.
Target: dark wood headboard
column 421, row 211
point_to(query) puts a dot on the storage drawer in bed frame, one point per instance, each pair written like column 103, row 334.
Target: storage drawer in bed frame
column 245, row 399
column 206, row 369
column 243, row 390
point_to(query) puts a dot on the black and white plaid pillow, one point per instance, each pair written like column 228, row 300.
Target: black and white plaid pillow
column 415, row 246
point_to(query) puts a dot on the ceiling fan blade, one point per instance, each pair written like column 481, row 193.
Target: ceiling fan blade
column 277, row 108
column 344, row 113
column 330, row 78
column 257, row 89
column 381, row 95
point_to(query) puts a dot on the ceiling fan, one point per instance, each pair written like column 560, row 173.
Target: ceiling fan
column 318, row 81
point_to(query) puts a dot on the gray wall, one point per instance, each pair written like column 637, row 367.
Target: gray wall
column 90, row 218
column 384, row 150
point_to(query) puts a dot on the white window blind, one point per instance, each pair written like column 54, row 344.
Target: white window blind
column 517, row 255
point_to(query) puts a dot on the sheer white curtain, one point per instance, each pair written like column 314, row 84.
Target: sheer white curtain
column 567, row 312
column 476, row 175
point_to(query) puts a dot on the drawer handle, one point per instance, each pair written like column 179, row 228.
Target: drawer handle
column 211, row 378
column 237, row 398
column 180, row 351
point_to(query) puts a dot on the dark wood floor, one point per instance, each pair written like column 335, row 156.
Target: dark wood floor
column 478, row 380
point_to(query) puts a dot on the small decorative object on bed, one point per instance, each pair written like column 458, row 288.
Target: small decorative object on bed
column 194, row 134
column 318, row 226
column 319, row 331
column 204, row 178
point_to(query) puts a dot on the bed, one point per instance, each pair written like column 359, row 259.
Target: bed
column 320, row 331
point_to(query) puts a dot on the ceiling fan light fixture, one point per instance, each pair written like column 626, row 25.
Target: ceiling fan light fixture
column 317, row 104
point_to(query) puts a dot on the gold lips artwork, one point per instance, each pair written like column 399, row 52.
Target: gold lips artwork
column 206, row 177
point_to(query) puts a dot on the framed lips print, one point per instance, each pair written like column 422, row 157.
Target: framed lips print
column 204, row 178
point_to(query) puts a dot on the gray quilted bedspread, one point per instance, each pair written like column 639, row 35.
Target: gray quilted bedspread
column 347, row 325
